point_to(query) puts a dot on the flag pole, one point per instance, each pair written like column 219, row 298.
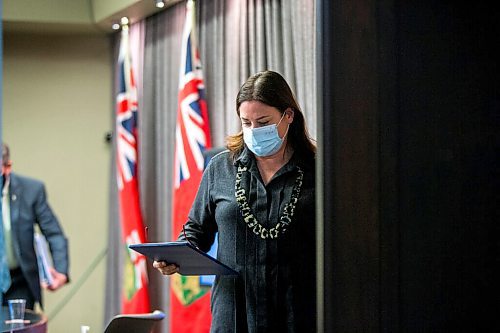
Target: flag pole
column 135, row 295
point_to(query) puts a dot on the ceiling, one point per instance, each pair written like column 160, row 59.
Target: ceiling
column 74, row 16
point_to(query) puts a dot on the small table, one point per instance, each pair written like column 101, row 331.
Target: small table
column 37, row 322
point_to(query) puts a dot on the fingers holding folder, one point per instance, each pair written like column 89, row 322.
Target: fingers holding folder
column 165, row 268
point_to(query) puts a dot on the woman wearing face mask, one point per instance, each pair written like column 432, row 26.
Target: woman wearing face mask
column 259, row 197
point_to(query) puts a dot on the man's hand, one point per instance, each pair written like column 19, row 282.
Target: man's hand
column 58, row 280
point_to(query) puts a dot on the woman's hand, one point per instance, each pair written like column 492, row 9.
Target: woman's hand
column 166, row 268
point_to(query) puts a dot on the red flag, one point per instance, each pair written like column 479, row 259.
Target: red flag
column 190, row 300
column 135, row 297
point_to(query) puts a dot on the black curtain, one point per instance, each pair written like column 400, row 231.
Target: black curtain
column 410, row 178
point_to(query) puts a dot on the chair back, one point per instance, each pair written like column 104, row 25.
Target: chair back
column 134, row 323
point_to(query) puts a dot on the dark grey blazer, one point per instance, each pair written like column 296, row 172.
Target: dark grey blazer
column 28, row 206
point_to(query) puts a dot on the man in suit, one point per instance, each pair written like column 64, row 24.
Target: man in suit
column 24, row 205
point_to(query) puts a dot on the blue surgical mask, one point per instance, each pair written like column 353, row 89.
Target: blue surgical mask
column 265, row 140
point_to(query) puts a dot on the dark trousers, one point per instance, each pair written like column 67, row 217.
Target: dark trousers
column 19, row 289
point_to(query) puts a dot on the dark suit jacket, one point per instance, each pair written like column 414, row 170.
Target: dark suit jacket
column 28, row 206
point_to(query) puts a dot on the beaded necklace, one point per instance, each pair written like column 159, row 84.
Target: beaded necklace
column 250, row 219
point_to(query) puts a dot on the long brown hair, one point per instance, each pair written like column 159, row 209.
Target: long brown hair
column 270, row 88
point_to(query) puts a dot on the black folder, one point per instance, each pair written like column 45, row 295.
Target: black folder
column 190, row 260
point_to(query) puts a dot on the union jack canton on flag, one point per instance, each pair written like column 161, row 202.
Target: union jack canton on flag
column 192, row 134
